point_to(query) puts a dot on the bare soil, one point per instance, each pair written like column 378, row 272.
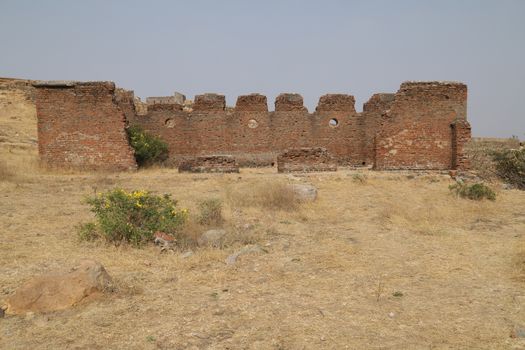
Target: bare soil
column 392, row 261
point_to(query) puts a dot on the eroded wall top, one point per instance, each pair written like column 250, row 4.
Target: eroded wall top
column 80, row 125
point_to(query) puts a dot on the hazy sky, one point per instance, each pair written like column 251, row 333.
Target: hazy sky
column 308, row 47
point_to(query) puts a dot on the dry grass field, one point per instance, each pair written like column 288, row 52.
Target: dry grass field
column 381, row 260
column 391, row 261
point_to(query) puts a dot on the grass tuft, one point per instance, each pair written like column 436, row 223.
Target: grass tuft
column 272, row 195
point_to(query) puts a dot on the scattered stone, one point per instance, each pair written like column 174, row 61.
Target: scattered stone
column 391, row 314
column 211, row 238
column 60, row 291
column 186, row 254
column 507, row 186
column 249, row 249
column 518, row 332
column 305, row 192
column 162, row 238
column 165, row 241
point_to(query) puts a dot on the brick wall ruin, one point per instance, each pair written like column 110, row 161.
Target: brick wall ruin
column 305, row 160
column 422, row 126
column 411, row 129
column 80, row 125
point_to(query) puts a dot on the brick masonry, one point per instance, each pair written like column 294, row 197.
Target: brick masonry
column 80, row 125
column 422, row 126
column 411, row 129
column 209, row 164
column 306, row 160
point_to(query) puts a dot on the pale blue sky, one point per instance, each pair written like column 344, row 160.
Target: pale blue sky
column 309, row 47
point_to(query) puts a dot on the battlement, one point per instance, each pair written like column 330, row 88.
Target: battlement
column 252, row 103
column 336, row 102
column 415, row 128
column 209, row 103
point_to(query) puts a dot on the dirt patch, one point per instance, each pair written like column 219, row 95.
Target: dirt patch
column 391, row 262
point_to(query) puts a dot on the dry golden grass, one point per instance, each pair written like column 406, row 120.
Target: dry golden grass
column 18, row 165
column 271, row 195
column 328, row 278
column 519, row 260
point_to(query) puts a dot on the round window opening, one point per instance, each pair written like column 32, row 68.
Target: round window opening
column 252, row 123
column 333, row 122
column 170, row 123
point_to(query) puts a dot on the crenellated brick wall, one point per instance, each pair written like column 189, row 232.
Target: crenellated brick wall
column 80, row 125
column 253, row 135
column 422, row 126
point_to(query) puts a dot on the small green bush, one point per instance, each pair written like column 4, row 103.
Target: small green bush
column 510, row 166
column 149, row 149
column 132, row 217
column 88, row 231
column 476, row 191
column 210, row 212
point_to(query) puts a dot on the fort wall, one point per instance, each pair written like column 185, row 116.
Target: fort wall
column 80, row 125
column 422, row 126
column 416, row 131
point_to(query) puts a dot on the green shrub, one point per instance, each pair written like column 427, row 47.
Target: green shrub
column 88, row 231
column 510, row 166
column 210, row 212
column 149, row 149
column 476, row 191
column 132, row 217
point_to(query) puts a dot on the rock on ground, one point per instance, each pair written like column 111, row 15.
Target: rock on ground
column 213, row 238
column 249, row 249
column 60, row 291
column 304, row 192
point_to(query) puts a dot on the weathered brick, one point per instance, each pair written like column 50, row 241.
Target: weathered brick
column 81, row 126
column 209, row 164
column 422, row 126
column 305, row 160
column 416, row 129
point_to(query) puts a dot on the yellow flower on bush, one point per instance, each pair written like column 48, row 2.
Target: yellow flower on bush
column 139, row 194
column 117, row 224
column 183, row 213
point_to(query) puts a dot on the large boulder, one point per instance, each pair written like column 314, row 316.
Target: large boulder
column 60, row 291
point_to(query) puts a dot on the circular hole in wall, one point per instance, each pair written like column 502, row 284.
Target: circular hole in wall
column 170, row 123
column 333, row 122
column 252, row 123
